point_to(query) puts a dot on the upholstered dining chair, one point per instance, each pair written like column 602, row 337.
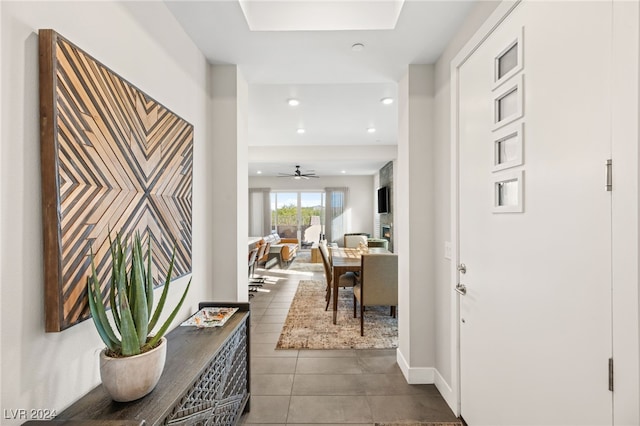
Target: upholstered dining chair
column 377, row 284
column 253, row 255
column 254, row 283
column 345, row 280
column 328, row 275
column 263, row 254
column 354, row 240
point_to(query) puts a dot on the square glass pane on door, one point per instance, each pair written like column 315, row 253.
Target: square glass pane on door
column 508, row 61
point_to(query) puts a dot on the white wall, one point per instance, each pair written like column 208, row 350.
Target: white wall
column 228, row 208
column 361, row 193
column 423, row 216
column 142, row 42
column 442, row 203
column 414, row 225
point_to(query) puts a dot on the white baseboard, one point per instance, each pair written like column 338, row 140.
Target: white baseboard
column 447, row 393
column 427, row 376
column 415, row 375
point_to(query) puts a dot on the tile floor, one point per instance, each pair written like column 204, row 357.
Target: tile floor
column 329, row 387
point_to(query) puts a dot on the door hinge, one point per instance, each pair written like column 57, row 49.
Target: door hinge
column 609, row 175
column 611, row 374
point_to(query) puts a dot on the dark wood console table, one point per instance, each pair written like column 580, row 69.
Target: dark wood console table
column 205, row 381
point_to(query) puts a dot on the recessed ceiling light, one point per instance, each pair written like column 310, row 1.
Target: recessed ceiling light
column 386, row 101
column 293, row 102
column 300, row 131
column 343, row 172
column 357, row 47
column 371, row 130
column 259, row 172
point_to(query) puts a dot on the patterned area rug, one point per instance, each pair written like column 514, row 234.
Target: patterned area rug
column 302, row 262
column 309, row 326
column 306, row 267
column 303, row 256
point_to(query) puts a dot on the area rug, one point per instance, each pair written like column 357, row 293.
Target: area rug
column 302, row 262
column 309, row 326
column 303, row 256
column 306, row 267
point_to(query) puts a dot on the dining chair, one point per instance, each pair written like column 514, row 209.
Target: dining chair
column 263, row 254
column 345, row 280
column 328, row 275
column 377, row 284
column 354, row 240
column 253, row 286
column 254, row 282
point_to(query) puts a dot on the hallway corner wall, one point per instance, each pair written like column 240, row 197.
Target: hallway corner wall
column 229, row 175
column 414, row 224
column 49, row 371
column 444, row 344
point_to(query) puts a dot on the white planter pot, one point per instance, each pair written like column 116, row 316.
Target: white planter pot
column 130, row 378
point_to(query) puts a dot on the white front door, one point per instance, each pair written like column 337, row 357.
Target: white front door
column 534, row 230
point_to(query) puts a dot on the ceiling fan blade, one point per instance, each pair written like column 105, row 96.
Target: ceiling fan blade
column 298, row 174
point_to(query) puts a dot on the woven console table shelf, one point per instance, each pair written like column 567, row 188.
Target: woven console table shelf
column 205, row 380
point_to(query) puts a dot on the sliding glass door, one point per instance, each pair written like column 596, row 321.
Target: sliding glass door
column 298, row 215
column 311, row 216
column 284, row 214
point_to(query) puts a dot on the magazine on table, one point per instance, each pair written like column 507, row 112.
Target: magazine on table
column 210, row 317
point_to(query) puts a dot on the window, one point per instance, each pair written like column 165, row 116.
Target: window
column 507, row 147
column 508, row 193
column 298, row 215
column 508, row 102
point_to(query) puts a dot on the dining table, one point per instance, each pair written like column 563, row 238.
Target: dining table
column 345, row 260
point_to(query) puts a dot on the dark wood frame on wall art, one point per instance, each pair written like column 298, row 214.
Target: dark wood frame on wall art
column 112, row 160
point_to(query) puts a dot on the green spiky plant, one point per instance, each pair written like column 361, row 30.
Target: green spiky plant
column 131, row 301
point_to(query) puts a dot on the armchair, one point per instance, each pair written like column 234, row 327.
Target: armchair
column 378, row 284
column 353, row 240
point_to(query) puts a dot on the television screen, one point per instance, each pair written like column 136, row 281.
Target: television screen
column 383, row 199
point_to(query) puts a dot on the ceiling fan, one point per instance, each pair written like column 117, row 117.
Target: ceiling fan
column 297, row 174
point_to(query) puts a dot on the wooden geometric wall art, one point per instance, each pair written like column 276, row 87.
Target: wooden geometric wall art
column 111, row 158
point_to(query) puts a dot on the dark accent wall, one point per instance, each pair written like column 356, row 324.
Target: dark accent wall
column 386, row 179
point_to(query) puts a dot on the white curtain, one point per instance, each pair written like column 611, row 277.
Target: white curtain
column 259, row 212
column 335, row 221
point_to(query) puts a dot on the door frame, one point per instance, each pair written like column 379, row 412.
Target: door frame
column 500, row 13
column 625, row 206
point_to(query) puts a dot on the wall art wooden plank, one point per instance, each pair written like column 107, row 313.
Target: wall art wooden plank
column 112, row 158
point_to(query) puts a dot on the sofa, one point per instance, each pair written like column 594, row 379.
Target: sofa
column 281, row 250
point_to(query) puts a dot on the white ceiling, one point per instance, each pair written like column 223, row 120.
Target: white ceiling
column 339, row 89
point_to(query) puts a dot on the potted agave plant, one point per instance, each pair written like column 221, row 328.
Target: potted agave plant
column 133, row 360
